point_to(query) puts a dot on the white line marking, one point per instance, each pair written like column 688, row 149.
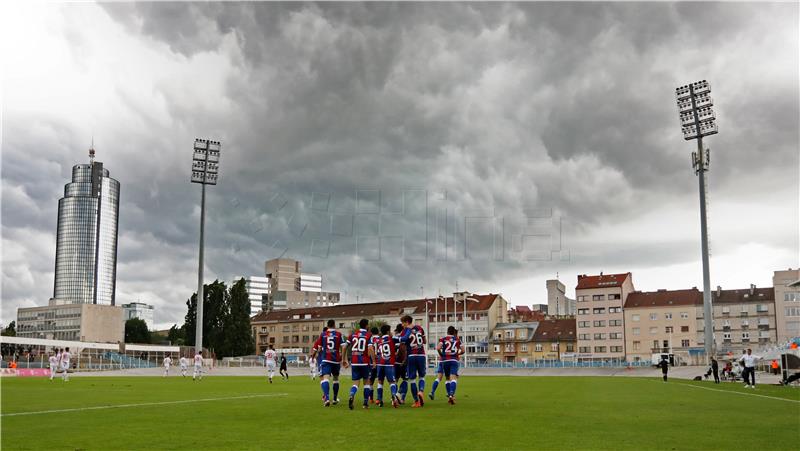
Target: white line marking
column 739, row 393
column 162, row 403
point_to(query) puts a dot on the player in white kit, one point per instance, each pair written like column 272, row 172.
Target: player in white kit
column 167, row 363
column 65, row 364
column 312, row 365
column 184, row 366
column 198, row 366
column 269, row 361
column 53, row 365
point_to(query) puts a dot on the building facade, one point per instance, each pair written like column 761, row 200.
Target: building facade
column 528, row 342
column 81, row 322
column 558, row 304
column 257, row 293
column 787, row 303
column 743, row 318
column 290, row 288
column 663, row 321
column 140, row 310
column 600, row 321
column 86, row 239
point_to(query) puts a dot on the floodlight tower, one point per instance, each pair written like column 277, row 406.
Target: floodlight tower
column 697, row 121
column 205, row 168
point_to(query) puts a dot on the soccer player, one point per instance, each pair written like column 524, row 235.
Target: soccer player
column 437, row 381
column 167, row 363
column 312, row 368
column 362, row 358
column 373, row 375
column 330, row 345
column 53, row 364
column 386, row 354
column 184, row 366
column 400, row 364
column 414, row 340
column 65, row 356
column 269, row 361
column 198, row 366
column 450, row 349
column 283, row 371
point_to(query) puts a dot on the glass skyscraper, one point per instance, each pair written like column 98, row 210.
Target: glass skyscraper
column 86, row 243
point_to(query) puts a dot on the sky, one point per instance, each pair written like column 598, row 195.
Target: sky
column 403, row 149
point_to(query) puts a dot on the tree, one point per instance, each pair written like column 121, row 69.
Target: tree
column 136, row 331
column 10, row 330
column 176, row 335
column 238, row 334
column 214, row 313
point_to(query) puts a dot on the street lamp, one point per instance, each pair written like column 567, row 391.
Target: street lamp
column 205, row 166
column 698, row 120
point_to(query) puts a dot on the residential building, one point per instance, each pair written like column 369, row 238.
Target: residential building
column 600, row 321
column 555, row 339
column 526, row 342
column 299, row 328
column 86, row 239
column 663, row 321
column 257, row 292
column 139, row 310
column 558, row 304
column 539, row 308
column 290, row 288
column 523, row 314
column 787, row 303
column 743, row 319
column 81, row 321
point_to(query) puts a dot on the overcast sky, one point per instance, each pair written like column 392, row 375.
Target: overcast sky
column 398, row 146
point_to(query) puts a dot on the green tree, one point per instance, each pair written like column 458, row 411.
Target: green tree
column 10, row 330
column 176, row 335
column 238, row 334
column 214, row 314
column 136, row 331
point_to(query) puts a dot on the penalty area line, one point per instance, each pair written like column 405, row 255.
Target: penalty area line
column 143, row 404
column 739, row 393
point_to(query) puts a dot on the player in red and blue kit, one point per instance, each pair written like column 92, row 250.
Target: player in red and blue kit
column 414, row 340
column 400, row 367
column 362, row 358
column 373, row 375
column 385, row 351
column 450, row 349
column 330, row 346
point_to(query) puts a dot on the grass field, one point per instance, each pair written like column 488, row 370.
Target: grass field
column 492, row 413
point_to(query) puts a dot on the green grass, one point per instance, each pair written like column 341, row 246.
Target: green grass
column 492, row 413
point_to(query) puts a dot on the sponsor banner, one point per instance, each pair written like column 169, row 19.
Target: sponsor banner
column 5, row 372
column 33, row 372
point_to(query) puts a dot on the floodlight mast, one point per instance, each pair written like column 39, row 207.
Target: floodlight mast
column 205, row 165
column 698, row 120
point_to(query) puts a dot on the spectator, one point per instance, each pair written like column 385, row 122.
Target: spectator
column 664, row 365
column 715, row 369
column 749, row 373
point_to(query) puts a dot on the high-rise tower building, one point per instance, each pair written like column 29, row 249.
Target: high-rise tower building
column 86, row 242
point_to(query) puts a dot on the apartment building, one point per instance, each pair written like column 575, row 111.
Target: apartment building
column 600, row 321
column 787, row 303
column 72, row 322
column 663, row 321
column 558, row 304
column 743, row 318
column 287, row 287
column 527, row 342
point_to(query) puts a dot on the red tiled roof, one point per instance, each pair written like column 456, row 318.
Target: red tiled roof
column 484, row 303
column 523, row 309
column 552, row 329
column 664, row 298
column 601, row 281
column 743, row 295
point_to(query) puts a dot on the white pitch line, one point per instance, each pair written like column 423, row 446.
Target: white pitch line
column 162, row 403
column 740, row 393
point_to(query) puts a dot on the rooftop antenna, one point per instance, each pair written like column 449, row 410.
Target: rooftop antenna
column 91, row 152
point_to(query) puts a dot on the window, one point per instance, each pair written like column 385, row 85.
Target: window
column 615, row 310
column 655, row 344
column 745, row 336
column 285, row 339
column 684, row 328
column 583, row 323
column 615, row 335
column 684, row 315
column 635, row 317
column 636, row 331
column 509, row 334
column 653, row 330
column 615, row 349
column 272, row 328
column 615, row 322
column 585, row 349
column 792, row 311
column 554, row 347
column 582, row 299
column 599, row 336
column 726, row 335
column 613, row 297
column 762, row 308
column 496, row 348
column 570, row 347
column 668, row 329
column 599, row 349
column 599, row 324
column 583, row 336
column 653, row 316
column 583, row 311
column 524, row 348
column 538, row 347
column 685, row 343
column 598, row 297
column 667, row 316
column 726, row 310
column 637, row 345
column 263, row 329
column 598, row 311
column 285, row 328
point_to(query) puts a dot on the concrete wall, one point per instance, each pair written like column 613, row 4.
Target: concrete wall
column 102, row 323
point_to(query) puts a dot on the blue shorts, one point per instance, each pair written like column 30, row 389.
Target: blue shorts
column 450, row 368
column 416, row 366
column 439, row 369
column 400, row 371
column 329, row 369
column 386, row 372
column 373, row 373
column 361, row 372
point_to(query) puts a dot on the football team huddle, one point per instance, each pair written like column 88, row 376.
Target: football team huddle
column 376, row 357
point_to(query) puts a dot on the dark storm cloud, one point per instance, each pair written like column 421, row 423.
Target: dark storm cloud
column 492, row 109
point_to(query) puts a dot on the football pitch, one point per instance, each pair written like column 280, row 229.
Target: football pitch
column 492, row 413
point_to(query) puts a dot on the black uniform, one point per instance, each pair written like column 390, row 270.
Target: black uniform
column 664, row 368
column 715, row 370
column 283, row 370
